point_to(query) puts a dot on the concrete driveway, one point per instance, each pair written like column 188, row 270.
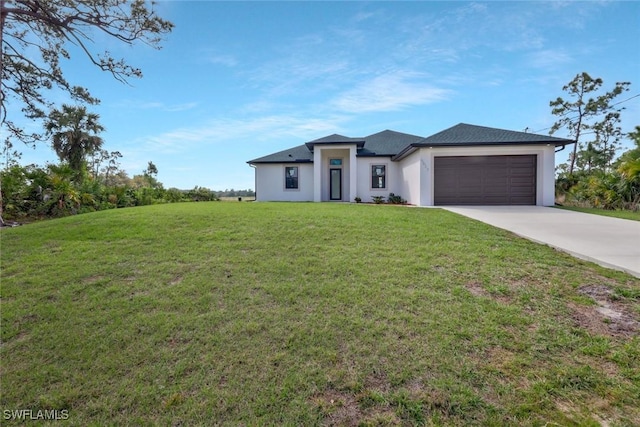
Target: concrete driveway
column 610, row 242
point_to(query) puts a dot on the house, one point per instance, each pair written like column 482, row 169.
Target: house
column 462, row 165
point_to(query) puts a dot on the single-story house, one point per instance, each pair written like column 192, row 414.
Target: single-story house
column 462, row 165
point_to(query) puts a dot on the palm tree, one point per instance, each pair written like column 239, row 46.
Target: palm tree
column 629, row 169
column 74, row 135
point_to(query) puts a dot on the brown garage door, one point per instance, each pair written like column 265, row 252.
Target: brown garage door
column 485, row 180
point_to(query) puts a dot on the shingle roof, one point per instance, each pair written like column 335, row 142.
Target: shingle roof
column 464, row 134
column 335, row 138
column 387, row 143
column 398, row 144
column 299, row 154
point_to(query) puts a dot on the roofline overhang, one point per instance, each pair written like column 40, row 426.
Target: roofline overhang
column 374, row 155
column 254, row 162
column 413, row 147
column 310, row 145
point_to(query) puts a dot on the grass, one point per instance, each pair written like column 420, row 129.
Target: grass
column 635, row 216
column 308, row 314
column 235, row 199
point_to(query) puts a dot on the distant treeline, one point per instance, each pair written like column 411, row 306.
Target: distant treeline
column 235, row 193
column 34, row 192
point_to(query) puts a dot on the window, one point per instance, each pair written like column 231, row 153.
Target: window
column 291, row 177
column 378, row 178
column 335, row 162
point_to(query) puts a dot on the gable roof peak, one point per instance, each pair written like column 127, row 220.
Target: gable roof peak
column 334, row 138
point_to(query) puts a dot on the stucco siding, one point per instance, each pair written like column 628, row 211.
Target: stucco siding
column 410, row 178
column 270, row 185
column 545, row 174
column 393, row 178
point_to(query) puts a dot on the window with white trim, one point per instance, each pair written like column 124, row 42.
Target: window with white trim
column 291, row 177
column 378, row 176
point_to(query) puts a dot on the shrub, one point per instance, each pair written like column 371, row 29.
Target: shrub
column 395, row 200
column 377, row 199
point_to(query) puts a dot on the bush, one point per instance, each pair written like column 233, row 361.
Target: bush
column 395, row 200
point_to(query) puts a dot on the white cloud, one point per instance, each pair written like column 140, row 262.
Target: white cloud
column 154, row 105
column 180, row 107
column 226, row 60
column 231, row 131
column 390, row 92
column 548, row 58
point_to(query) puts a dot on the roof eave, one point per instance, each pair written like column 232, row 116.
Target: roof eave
column 405, row 152
column 374, row 155
column 413, row 147
column 555, row 143
column 310, row 145
column 263, row 162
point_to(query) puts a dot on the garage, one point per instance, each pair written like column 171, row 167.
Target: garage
column 485, row 180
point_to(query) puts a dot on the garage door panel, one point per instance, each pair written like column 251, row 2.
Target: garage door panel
column 522, row 181
column 496, row 174
column 485, row 180
column 526, row 172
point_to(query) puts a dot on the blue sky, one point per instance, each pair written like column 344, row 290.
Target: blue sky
column 239, row 80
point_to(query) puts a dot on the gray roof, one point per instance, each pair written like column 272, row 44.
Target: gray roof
column 464, row 134
column 299, row 154
column 387, row 143
column 397, row 144
column 335, row 139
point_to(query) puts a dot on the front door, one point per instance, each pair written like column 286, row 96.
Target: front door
column 335, row 184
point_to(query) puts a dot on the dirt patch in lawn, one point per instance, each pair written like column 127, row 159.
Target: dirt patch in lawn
column 610, row 315
column 476, row 289
column 365, row 407
column 338, row 408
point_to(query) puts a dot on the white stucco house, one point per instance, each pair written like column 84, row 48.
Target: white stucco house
column 462, row 165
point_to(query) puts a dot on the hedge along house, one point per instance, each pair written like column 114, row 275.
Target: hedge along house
column 462, row 165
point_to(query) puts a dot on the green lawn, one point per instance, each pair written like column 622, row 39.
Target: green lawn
column 613, row 213
column 310, row 314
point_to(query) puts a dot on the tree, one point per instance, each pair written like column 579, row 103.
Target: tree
column 151, row 170
column 111, row 169
column 48, row 26
column 576, row 115
column 629, row 163
column 74, row 135
column 607, row 137
column 151, row 175
column 590, row 158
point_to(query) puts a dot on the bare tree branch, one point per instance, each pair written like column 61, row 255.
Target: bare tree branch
column 49, row 25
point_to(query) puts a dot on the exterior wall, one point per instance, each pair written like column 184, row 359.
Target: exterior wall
column 393, row 178
column 545, row 179
column 410, row 178
column 321, row 156
column 270, row 183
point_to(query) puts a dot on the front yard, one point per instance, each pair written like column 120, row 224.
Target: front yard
column 310, row 314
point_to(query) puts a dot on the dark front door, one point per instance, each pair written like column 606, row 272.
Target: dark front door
column 335, row 184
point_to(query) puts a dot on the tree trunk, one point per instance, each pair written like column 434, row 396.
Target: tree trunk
column 575, row 146
column 3, row 15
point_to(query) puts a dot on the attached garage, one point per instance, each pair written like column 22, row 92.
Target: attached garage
column 485, row 180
